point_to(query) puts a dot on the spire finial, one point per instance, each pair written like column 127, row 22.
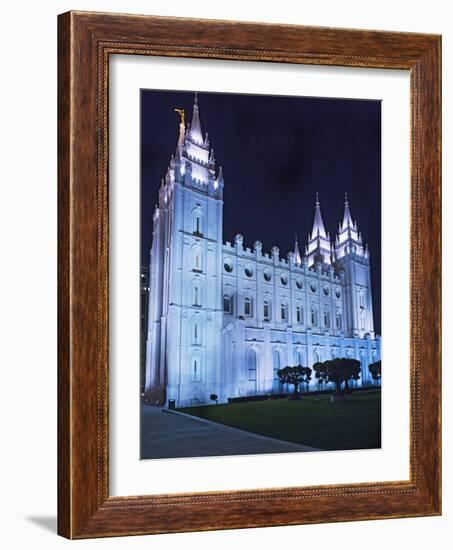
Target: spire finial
column 297, row 256
column 317, row 199
column 347, row 219
column 195, row 127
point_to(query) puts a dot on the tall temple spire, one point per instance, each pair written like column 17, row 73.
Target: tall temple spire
column 349, row 238
column 319, row 246
column 195, row 127
column 297, row 256
column 347, row 219
column 193, row 164
column 318, row 224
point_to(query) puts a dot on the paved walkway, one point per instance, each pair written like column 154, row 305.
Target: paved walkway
column 175, row 435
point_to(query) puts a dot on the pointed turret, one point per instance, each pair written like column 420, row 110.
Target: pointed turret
column 348, row 239
column 297, row 256
column 195, row 127
column 318, row 224
column 319, row 246
column 218, row 183
column 220, row 176
column 347, row 219
column 352, row 261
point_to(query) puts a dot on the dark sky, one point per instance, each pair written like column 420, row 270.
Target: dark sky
column 276, row 153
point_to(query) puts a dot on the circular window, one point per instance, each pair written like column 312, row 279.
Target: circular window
column 284, row 280
column 326, row 290
column 299, row 283
column 313, row 287
column 337, row 293
column 248, row 270
column 228, row 265
column 267, row 275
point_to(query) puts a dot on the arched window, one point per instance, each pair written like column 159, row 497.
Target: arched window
column 196, row 333
column 247, row 306
column 362, row 320
column 297, row 358
column 227, row 303
column 276, row 366
column 361, row 300
column 316, row 356
column 196, row 369
column 266, row 310
column 196, row 294
column 252, row 361
column 197, row 225
column 299, row 314
column 314, row 316
column 327, row 319
column 196, row 259
column 276, row 363
column 283, row 311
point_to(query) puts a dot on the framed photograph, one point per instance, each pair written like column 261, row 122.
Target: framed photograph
column 249, row 226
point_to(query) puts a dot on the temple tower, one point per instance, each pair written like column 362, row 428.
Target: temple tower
column 353, row 262
column 185, row 319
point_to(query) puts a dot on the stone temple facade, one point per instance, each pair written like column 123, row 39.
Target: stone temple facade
column 222, row 318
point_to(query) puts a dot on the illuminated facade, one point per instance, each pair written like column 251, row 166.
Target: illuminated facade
column 223, row 318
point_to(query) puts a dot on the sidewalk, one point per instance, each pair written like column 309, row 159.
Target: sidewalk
column 174, row 435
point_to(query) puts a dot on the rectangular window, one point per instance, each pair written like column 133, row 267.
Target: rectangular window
column 247, row 306
column 327, row 319
column 266, row 310
column 298, row 314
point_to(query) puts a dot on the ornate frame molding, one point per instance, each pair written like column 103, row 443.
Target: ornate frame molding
column 86, row 40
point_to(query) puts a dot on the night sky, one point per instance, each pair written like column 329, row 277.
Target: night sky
column 276, row 153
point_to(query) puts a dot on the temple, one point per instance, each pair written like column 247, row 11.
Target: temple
column 224, row 318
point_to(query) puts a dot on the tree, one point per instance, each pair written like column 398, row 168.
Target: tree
column 339, row 371
column 375, row 370
column 294, row 376
column 214, row 397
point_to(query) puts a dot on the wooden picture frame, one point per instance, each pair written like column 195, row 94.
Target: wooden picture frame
column 85, row 41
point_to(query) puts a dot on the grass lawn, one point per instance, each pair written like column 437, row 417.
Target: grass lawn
column 354, row 423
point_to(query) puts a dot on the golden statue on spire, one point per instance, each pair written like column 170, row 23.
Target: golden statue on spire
column 182, row 114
